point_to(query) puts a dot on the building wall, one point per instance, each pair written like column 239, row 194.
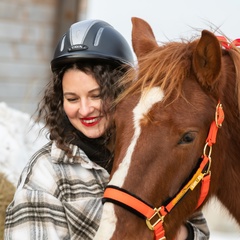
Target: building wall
column 26, row 35
column 29, row 30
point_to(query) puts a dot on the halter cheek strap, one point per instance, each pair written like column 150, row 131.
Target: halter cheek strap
column 155, row 216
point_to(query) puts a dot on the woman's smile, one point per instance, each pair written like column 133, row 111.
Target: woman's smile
column 90, row 121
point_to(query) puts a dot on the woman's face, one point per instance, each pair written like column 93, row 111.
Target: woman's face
column 82, row 103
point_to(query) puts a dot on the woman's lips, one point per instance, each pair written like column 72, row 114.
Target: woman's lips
column 91, row 121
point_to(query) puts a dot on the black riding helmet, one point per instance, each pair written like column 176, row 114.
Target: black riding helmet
column 92, row 39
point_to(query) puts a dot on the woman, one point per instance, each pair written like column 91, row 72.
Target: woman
column 59, row 192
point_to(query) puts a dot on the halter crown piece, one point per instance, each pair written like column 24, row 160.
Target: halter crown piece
column 154, row 216
column 226, row 44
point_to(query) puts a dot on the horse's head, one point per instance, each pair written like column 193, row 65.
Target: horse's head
column 162, row 123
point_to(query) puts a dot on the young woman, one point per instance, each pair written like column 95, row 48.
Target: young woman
column 60, row 190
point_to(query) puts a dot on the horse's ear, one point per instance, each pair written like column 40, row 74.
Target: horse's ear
column 207, row 59
column 143, row 39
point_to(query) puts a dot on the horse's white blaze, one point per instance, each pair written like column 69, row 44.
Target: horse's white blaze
column 147, row 100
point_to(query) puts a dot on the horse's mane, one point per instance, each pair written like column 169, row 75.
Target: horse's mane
column 167, row 67
column 235, row 55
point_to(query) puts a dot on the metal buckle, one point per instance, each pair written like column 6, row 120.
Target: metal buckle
column 159, row 219
column 219, row 115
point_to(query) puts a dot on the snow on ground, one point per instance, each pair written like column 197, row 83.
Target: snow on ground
column 20, row 138
column 224, row 235
column 222, row 226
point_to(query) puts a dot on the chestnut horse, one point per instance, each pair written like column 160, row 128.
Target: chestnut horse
column 171, row 140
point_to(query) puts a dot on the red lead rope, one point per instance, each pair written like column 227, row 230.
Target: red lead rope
column 155, row 216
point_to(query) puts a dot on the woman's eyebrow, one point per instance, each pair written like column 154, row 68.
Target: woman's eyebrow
column 91, row 91
column 69, row 93
column 95, row 90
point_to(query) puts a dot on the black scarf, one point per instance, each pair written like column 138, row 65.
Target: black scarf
column 95, row 149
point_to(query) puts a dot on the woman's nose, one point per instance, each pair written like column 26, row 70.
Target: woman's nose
column 85, row 108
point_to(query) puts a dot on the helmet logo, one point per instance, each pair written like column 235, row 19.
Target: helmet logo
column 77, row 47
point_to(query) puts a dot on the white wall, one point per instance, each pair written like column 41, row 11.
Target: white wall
column 26, row 33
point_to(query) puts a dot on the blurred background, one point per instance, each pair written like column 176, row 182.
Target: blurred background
column 30, row 29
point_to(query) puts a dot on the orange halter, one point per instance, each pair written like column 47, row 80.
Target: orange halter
column 155, row 216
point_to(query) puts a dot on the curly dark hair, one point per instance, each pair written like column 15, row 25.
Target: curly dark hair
column 50, row 109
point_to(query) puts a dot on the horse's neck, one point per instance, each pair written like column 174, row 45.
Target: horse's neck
column 229, row 151
column 229, row 191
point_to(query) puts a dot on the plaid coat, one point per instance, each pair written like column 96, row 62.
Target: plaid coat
column 60, row 198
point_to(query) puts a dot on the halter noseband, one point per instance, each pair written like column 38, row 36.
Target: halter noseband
column 155, row 216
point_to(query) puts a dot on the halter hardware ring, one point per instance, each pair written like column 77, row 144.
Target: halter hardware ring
column 156, row 214
column 208, row 156
column 205, row 153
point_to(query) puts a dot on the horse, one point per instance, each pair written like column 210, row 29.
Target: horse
column 177, row 136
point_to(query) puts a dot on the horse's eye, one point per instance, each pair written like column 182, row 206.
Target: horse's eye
column 187, row 138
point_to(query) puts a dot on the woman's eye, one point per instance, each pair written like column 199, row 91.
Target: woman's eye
column 96, row 96
column 72, row 99
column 187, row 138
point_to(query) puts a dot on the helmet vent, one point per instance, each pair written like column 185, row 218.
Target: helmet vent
column 98, row 37
column 62, row 44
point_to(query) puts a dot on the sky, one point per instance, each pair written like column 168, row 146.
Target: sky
column 171, row 19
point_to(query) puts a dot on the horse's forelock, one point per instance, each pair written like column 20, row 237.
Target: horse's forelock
column 165, row 67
